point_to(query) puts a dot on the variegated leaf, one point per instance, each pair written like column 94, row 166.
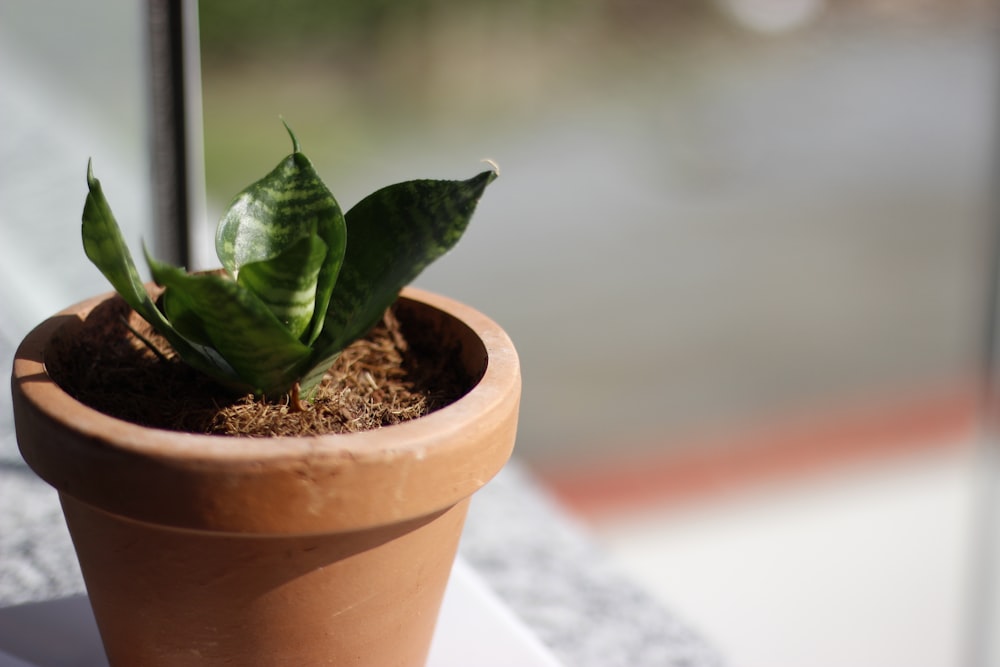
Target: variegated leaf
column 286, row 284
column 272, row 215
column 105, row 247
column 394, row 234
column 262, row 351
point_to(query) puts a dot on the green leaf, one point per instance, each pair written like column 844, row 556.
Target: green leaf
column 287, row 283
column 183, row 319
column 105, row 247
column 394, row 234
column 261, row 350
column 273, row 215
column 316, row 370
column 296, row 292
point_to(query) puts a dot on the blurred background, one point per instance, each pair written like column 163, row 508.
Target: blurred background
column 708, row 213
column 742, row 246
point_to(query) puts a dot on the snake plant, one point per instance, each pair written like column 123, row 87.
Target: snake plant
column 301, row 279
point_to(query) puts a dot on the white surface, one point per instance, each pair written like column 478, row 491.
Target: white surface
column 475, row 628
column 867, row 567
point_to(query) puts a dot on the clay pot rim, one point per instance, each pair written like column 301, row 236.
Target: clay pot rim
column 409, row 439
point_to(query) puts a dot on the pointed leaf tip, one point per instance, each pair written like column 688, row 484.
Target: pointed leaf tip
column 295, row 142
column 492, row 163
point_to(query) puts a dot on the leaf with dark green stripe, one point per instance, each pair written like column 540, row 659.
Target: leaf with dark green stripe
column 294, row 291
column 105, row 247
column 287, row 283
column 246, row 333
column 274, row 214
column 394, row 233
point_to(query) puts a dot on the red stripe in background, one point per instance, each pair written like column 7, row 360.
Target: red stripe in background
column 709, row 466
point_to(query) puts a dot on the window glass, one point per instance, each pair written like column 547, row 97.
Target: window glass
column 73, row 89
column 709, row 214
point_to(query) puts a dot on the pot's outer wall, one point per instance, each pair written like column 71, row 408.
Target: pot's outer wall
column 279, row 486
column 169, row 598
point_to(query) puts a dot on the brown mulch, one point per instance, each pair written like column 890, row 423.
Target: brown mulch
column 379, row 380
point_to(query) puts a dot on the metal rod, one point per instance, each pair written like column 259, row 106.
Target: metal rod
column 171, row 197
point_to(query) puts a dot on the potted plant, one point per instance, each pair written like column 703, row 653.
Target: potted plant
column 284, row 550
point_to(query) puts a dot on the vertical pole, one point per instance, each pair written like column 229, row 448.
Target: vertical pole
column 169, row 128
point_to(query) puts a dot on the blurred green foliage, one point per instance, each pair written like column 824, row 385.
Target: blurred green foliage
column 232, row 30
column 358, row 76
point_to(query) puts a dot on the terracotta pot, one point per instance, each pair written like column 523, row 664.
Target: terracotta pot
column 322, row 550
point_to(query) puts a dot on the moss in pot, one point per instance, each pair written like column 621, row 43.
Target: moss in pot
column 289, row 549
